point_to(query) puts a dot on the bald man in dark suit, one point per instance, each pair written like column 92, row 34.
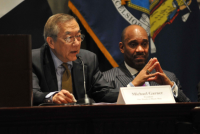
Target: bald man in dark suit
column 136, row 71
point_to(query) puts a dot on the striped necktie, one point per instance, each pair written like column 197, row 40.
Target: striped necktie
column 67, row 79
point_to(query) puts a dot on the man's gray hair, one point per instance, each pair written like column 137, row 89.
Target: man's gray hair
column 51, row 28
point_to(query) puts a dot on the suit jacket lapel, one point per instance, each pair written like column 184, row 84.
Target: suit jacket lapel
column 124, row 76
column 77, row 78
column 49, row 71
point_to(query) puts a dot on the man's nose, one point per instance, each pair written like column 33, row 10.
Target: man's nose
column 139, row 48
column 76, row 42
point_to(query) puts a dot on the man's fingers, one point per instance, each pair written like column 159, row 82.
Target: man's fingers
column 154, row 74
column 153, row 66
column 57, row 98
column 63, row 96
column 150, row 63
column 152, row 77
column 158, row 67
column 67, row 93
column 64, row 99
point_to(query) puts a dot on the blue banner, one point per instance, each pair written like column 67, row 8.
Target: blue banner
column 174, row 34
column 105, row 20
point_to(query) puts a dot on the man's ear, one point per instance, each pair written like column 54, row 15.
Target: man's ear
column 121, row 47
column 50, row 41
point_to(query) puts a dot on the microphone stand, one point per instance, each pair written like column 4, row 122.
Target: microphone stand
column 86, row 100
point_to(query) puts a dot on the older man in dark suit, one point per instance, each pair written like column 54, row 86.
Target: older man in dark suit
column 135, row 71
column 58, row 75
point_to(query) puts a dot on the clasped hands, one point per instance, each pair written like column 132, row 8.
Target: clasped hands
column 63, row 97
column 159, row 76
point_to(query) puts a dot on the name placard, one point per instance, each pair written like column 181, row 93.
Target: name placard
column 146, row 95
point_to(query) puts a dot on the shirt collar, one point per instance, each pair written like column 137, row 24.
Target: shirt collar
column 58, row 62
column 133, row 71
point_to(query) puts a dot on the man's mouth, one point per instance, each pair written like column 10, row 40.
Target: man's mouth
column 140, row 57
column 74, row 52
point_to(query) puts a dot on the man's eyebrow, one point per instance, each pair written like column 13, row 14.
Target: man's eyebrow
column 146, row 40
column 135, row 41
column 132, row 42
column 79, row 31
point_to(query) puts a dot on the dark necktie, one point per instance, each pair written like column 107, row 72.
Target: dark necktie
column 67, row 79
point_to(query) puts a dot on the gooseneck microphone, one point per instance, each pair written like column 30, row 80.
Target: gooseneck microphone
column 86, row 100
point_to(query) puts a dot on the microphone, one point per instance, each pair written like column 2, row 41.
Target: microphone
column 86, row 100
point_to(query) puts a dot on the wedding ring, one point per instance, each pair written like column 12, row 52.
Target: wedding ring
column 147, row 72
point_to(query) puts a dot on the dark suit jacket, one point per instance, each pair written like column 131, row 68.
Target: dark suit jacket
column 121, row 77
column 45, row 81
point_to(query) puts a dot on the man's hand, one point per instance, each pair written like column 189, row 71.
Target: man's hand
column 143, row 75
column 160, row 77
column 63, row 96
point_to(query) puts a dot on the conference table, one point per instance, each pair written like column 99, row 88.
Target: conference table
column 102, row 118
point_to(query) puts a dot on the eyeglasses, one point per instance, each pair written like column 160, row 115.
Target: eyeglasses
column 71, row 39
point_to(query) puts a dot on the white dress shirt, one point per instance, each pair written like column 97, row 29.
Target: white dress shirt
column 59, row 69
